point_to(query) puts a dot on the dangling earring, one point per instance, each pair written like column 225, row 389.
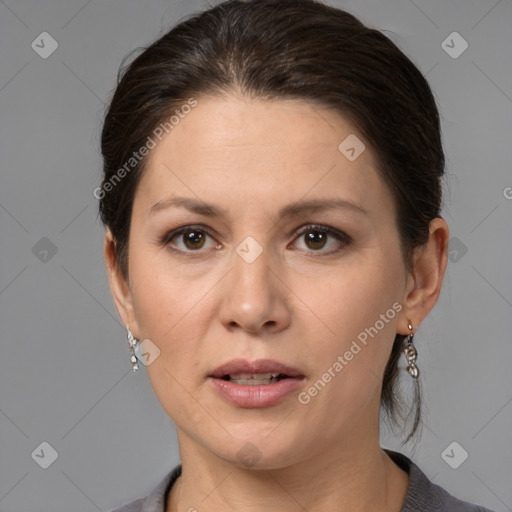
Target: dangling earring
column 411, row 354
column 133, row 345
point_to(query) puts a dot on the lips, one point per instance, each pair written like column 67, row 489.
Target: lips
column 261, row 369
column 254, row 379
column 260, row 383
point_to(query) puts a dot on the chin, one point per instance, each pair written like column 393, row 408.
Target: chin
column 258, row 450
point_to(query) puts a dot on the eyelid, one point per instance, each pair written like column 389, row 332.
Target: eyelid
column 322, row 227
column 339, row 235
column 185, row 229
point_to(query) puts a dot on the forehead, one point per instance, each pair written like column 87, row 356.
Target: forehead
column 262, row 151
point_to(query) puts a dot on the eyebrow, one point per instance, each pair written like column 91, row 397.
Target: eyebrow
column 289, row 211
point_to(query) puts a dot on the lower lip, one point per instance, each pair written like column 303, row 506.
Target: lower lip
column 263, row 395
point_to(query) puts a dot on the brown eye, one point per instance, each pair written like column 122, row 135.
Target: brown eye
column 194, row 239
column 188, row 239
column 317, row 238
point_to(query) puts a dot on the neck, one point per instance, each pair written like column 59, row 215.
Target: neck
column 356, row 477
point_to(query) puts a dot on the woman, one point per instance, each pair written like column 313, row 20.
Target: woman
column 272, row 196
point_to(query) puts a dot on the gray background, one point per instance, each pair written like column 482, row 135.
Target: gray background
column 65, row 377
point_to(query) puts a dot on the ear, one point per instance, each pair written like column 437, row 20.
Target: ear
column 119, row 284
column 424, row 288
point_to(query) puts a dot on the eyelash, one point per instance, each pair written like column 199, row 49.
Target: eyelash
column 338, row 235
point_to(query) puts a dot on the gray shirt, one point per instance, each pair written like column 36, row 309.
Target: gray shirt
column 422, row 495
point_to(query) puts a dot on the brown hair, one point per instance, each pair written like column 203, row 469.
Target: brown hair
column 272, row 49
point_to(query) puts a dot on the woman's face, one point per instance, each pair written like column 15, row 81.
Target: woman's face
column 317, row 289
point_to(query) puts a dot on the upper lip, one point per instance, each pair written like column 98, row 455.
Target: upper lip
column 258, row 366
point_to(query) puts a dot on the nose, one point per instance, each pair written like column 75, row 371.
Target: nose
column 255, row 298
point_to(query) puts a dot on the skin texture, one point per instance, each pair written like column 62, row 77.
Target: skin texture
column 299, row 303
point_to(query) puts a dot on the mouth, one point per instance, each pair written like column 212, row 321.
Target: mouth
column 253, row 373
column 259, row 383
column 255, row 379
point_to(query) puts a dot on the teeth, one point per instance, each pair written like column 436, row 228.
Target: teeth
column 253, row 379
column 252, row 375
column 254, row 382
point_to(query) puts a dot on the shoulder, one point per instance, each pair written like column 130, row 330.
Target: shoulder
column 134, row 506
column 425, row 496
column 155, row 501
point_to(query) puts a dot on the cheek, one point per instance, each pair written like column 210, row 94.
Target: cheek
column 351, row 297
column 352, row 313
column 174, row 311
column 172, row 314
column 164, row 296
column 335, row 312
column 167, row 311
